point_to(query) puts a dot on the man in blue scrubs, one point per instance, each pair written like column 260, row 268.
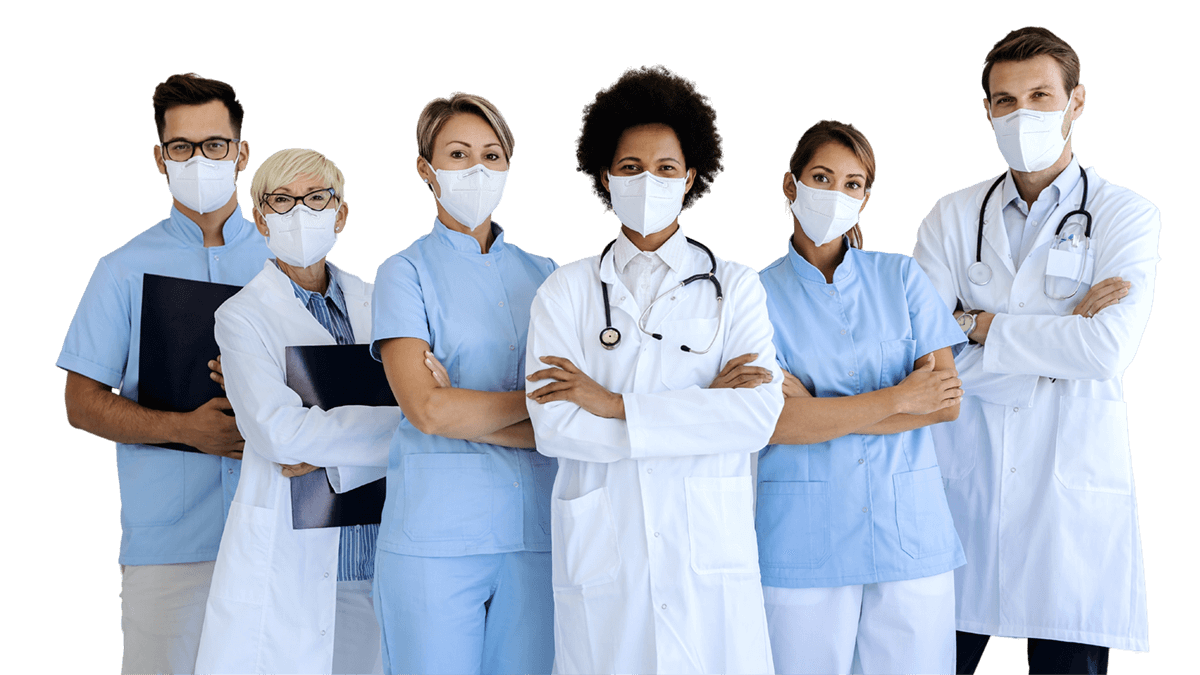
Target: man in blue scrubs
column 173, row 503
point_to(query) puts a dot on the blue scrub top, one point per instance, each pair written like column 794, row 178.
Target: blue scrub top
column 445, row 496
column 859, row 509
column 173, row 503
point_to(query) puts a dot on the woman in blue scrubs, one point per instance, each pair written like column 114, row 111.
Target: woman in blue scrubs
column 463, row 564
column 856, row 543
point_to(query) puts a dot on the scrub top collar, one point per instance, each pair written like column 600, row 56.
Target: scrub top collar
column 674, row 252
column 465, row 243
column 1063, row 185
column 183, row 228
column 807, row 271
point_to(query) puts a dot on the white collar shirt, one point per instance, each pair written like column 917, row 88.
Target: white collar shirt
column 643, row 272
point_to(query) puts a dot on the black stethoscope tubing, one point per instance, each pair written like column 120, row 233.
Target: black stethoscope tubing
column 610, row 337
column 1082, row 210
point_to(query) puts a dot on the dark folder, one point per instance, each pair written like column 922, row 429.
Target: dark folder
column 177, row 344
column 328, row 376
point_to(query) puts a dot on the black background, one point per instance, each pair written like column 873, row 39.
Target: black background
column 913, row 93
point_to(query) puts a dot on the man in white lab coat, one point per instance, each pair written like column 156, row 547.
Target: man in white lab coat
column 655, row 566
column 1050, row 270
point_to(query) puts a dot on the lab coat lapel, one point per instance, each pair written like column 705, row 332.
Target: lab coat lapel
column 619, row 296
column 301, row 327
column 995, row 234
column 358, row 304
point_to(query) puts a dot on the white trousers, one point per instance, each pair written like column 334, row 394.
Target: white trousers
column 890, row 627
column 162, row 610
column 356, row 632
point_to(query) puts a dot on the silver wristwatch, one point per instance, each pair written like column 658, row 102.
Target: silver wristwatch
column 966, row 321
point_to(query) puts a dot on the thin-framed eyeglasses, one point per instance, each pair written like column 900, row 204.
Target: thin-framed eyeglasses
column 179, row 150
column 316, row 200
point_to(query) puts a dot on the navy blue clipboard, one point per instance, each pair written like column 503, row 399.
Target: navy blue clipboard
column 177, row 343
column 329, row 376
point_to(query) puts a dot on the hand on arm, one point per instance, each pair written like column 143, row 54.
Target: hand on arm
column 572, row 384
column 919, row 400
column 738, row 374
column 519, row 435
column 93, row 407
column 440, row 410
column 1106, row 293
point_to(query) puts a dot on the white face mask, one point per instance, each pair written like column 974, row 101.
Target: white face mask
column 301, row 236
column 1031, row 140
column 646, row 203
column 202, row 184
column 470, row 195
column 824, row 215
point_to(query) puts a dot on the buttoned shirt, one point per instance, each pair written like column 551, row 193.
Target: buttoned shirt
column 642, row 272
column 173, row 503
column 447, row 496
column 356, row 548
column 861, row 508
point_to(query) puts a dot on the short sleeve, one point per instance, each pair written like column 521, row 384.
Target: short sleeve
column 97, row 343
column 398, row 305
column 933, row 324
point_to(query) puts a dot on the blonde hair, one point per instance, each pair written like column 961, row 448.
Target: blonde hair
column 439, row 111
column 285, row 166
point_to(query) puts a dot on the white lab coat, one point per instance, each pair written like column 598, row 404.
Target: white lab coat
column 655, row 563
column 1037, row 470
column 274, row 590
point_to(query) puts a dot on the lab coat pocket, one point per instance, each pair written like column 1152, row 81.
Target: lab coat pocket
column 1091, row 451
column 896, row 361
column 922, row 514
column 681, row 369
column 720, row 512
column 792, row 523
column 245, row 557
column 447, row 496
column 587, row 544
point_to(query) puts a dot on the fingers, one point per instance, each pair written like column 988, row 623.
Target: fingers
column 736, row 362
column 548, row 389
column 236, row 454
column 560, row 362
column 549, row 374
column 219, row 402
column 927, row 366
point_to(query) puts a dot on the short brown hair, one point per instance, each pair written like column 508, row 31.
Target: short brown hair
column 829, row 131
column 439, row 111
column 1026, row 43
column 191, row 89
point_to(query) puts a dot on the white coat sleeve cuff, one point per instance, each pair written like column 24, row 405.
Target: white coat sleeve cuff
column 346, row 478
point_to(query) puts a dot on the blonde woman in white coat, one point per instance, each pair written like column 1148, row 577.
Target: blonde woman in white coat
column 286, row 600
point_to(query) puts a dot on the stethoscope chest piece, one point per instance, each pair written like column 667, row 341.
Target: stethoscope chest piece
column 979, row 273
column 610, row 337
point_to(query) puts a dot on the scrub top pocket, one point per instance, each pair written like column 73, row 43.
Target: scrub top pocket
column 896, row 361
column 447, row 496
column 544, row 471
column 922, row 514
column 152, row 486
column 793, row 524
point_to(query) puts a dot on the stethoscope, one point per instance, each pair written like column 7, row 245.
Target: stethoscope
column 980, row 274
column 611, row 337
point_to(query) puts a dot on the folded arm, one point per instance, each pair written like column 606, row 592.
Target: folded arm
column 275, row 422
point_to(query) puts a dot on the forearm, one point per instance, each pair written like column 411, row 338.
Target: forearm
column 95, row 409
column 904, row 422
column 469, row 414
column 519, row 435
column 806, row 420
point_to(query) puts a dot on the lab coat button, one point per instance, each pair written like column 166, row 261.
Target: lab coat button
column 327, row 575
column 651, row 470
column 1013, row 470
column 322, row 631
column 1016, row 410
column 664, row 605
column 656, row 534
column 366, row 303
column 1022, row 304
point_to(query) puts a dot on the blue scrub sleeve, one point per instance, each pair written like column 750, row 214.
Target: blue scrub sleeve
column 398, row 305
column 933, row 324
column 97, row 343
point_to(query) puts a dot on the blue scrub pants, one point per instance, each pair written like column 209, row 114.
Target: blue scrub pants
column 484, row 614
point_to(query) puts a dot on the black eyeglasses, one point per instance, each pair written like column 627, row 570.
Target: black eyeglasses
column 180, row 150
column 282, row 203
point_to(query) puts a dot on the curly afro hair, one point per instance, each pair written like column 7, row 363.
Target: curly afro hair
column 650, row 95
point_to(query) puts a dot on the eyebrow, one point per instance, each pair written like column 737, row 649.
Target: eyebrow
column 1040, row 87
column 849, row 175
column 638, row 159
column 486, row 145
column 181, row 138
